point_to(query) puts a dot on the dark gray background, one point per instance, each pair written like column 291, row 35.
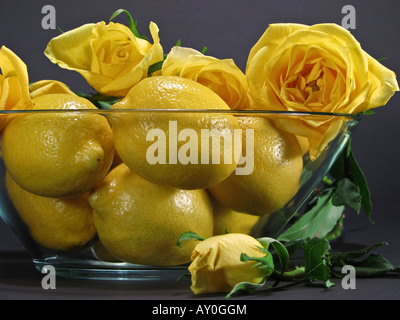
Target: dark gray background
column 229, row 28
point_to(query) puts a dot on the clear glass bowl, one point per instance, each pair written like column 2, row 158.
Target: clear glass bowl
column 84, row 262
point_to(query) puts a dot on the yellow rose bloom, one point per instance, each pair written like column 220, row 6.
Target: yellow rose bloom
column 43, row 87
column 221, row 76
column 14, row 83
column 319, row 68
column 109, row 56
column 216, row 264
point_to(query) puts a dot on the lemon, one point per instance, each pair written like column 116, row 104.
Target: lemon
column 140, row 222
column 58, row 154
column 227, row 220
column 55, row 223
column 276, row 176
column 181, row 150
column 101, row 253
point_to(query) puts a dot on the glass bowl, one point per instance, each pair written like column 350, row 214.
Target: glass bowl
column 162, row 143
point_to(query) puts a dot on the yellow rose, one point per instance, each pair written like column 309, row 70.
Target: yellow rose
column 109, row 56
column 319, row 68
column 43, row 87
column 216, row 264
column 14, row 83
column 221, row 76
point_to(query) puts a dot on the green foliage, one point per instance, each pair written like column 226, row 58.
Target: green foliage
column 188, row 236
column 246, row 287
column 346, row 167
column 311, row 234
column 316, row 261
column 99, row 100
column 132, row 23
column 154, row 67
column 318, row 221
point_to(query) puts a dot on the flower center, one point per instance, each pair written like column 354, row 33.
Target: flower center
column 120, row 55
column 313, row 85
column 309, row 85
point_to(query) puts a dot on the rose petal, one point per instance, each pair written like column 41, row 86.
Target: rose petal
column 271, row 38
column 71, row 50
column 15, row 73
column 383, row 85
column 216, row 264
column 47, row 87
column 221, row 76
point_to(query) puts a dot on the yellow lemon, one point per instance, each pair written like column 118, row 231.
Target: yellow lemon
column 140, row 222
column 55, row 223
column 101, row 253
column 184, row 150
column 227, row 220
column 275, row 178
column 58, row 154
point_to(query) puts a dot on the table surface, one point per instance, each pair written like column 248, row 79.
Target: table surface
column 20, row 280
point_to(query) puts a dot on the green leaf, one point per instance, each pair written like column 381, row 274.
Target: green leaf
column 132, row 23
column 368, row 112
column 247, row 287
column 317, row 222
column 104, row 105
column 203, row 51
column 336, row 231
column 374, row 265
column 280, row 250
column 266, row 263
column 342, row 258
column 99, row 100
column 293, row 246
column 82, row 94
column 178, row 43
column 346, row 166
column 188, row 236
column 154, row 67
column 337, row 170
column 316, row 252
column 347, row 193
column 370, row 266
column 102, row 97
column 328, row 283
column 357, row 176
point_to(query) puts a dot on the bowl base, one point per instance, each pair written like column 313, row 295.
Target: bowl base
column 86, row 269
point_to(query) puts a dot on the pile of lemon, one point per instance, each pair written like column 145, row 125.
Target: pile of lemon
column 83, row 178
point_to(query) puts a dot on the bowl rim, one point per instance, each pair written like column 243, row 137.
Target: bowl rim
column 198, row 111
